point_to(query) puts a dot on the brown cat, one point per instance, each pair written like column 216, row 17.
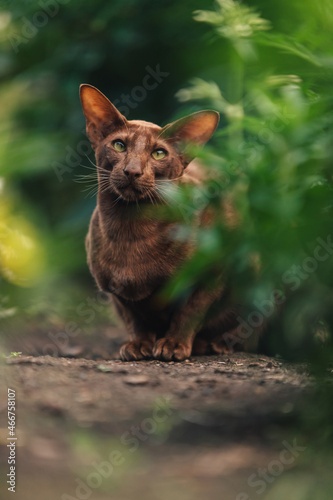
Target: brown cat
column 131, row 252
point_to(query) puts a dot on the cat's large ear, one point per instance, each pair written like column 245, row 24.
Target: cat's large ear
column 196, row 128
column 102, row 117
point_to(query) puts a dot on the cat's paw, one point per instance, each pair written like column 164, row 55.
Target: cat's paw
column 135, row 350
column 227, row 342
column 219, row 347
column 169, row 349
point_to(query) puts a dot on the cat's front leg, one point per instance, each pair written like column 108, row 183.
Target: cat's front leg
column 142, row 341
column 185, row 324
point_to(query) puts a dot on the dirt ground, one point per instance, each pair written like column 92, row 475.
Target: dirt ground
column 91, row 426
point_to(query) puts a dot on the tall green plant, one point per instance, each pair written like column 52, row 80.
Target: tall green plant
column 272, row 160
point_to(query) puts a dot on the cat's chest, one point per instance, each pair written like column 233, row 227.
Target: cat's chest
column 134, row 267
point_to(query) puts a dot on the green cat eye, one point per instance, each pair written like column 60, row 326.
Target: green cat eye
column 158, row 154
column 119, row 146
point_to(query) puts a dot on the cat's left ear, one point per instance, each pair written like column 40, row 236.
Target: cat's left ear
column 196, row 128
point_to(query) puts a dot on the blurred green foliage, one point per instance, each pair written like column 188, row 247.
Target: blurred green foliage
column 266, row 66
column 272, row 159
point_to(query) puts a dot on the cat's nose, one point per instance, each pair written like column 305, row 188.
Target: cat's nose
column 133, row 171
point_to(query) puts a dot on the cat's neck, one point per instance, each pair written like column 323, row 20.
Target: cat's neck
column 119, row 218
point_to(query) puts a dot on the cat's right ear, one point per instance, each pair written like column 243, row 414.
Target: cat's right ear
column 196, row 128
column 102, row 117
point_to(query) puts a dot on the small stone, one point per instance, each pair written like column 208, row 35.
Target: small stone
column 111, row 369
column 71, row 351
column 137, row 380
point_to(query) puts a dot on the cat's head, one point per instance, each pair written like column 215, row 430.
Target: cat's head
column 134, row 157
